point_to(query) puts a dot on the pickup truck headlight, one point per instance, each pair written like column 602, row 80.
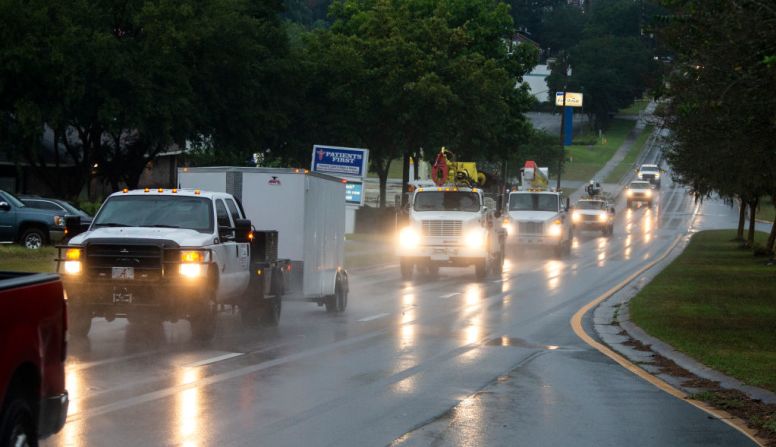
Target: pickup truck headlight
column 72, row 263
column 657, row 176
column 629, row 193
column 603, row 217
column 576, row 217
column 59, row 221
column 409, row 238
column 555, row 229
column 475, row 238
column 191, row 263
column 648, row 193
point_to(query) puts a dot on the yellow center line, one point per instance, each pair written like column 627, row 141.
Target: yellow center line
column 576, row 325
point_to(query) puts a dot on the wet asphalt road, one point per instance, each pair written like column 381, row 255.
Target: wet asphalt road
column 408, row 363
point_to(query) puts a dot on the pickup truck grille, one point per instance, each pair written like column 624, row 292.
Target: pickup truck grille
column 145, row 259
column 444, row 228
column 530, row 227
column 648, row 177
column 590, row 217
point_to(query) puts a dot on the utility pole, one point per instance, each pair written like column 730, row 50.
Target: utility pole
column 563, row 118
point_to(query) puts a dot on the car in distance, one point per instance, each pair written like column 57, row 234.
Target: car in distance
column 640, row 191
column 593, row 214
column 649, row 173
column 30, row 227
column 60, row 206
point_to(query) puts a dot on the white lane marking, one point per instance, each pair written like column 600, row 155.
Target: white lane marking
column 373, row 317
column 213, row 359
column 450, row 295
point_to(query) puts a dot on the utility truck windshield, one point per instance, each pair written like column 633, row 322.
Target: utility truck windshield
column 447, row 201
column 533, row 202
column 194, row 213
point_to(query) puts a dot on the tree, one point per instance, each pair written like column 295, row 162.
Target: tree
column 723, row 126
column 120, row 83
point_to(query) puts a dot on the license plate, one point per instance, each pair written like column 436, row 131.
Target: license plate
column 121, row 295
column 123, row 273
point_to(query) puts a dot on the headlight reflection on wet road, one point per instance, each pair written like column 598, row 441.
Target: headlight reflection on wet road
column 188, row 410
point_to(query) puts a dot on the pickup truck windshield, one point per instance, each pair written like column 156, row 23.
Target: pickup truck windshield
column 447, row 201
column 195, row 213
column 649, row 169
column 533, row 202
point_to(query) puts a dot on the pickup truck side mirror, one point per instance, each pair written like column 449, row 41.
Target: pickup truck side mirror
column 243, row 230
column 611, row 210
column 72, row 226
column 4, row 206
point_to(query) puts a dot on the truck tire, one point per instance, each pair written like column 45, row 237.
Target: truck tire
column 481, row 270
column 17, row 428
column 339, row 301
column 203, row 316
column 79, row 321
column 33, row 238
column 406, row 269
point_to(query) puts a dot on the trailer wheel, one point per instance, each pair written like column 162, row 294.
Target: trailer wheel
column 79, row 321
column 406, row 269
column 270, row 312
column 339, row 301
column 17, row 428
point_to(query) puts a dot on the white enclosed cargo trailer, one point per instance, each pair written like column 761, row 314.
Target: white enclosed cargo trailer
column 306, row 209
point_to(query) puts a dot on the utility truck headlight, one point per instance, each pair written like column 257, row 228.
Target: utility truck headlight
column 657, row 176
column 475, row 238
column 576, row 217
column 409, row 238
column 72, row 263
column 555, row 229
column 191, row 263
column 648, row 193
column 603, row 217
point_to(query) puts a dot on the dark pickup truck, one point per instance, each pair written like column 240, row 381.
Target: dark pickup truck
column 30, row 227
column 33, row 347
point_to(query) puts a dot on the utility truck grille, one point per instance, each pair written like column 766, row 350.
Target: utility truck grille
column 444, row 228
column 146, row 260
column 530, row 227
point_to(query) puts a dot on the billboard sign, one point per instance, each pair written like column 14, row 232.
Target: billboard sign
column 572, row 99
column 340, row 161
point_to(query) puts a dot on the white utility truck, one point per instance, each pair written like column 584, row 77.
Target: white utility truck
column 168, row 254
column 450, row 225
column 307, row 210
column 536, row 215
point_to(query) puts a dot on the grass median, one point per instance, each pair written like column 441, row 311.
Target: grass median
column 629, row 161
column 588, row 154
column 717, row 303
column 14, row 258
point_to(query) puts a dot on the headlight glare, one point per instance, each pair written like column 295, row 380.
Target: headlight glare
column 475, row 238
column 555, row 229
column 73, row 267
column 575, row 216
column 191, row 270
column 648, row 193
column 603, row 217
column 73, row 254
column 630, row 193
column 409, row 238
column 193, row 256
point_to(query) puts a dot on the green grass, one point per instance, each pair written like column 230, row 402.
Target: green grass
column 588, row 155
column 717, row 303
column 20, row 259
column 630, row 158
column 767, row 210
column 637, row 107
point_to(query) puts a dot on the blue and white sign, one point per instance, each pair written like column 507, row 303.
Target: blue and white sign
column 354, row 193
column 340, row 161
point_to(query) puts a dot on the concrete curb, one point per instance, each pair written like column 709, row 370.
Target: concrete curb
column 614, row 313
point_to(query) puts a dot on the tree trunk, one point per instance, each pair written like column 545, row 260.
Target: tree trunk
column 752, row 222
column 770, row 246
column 405, row 178
column 741, row 221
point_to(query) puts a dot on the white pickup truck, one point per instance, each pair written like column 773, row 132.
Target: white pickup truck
column 168, row 254
column 539, row 218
